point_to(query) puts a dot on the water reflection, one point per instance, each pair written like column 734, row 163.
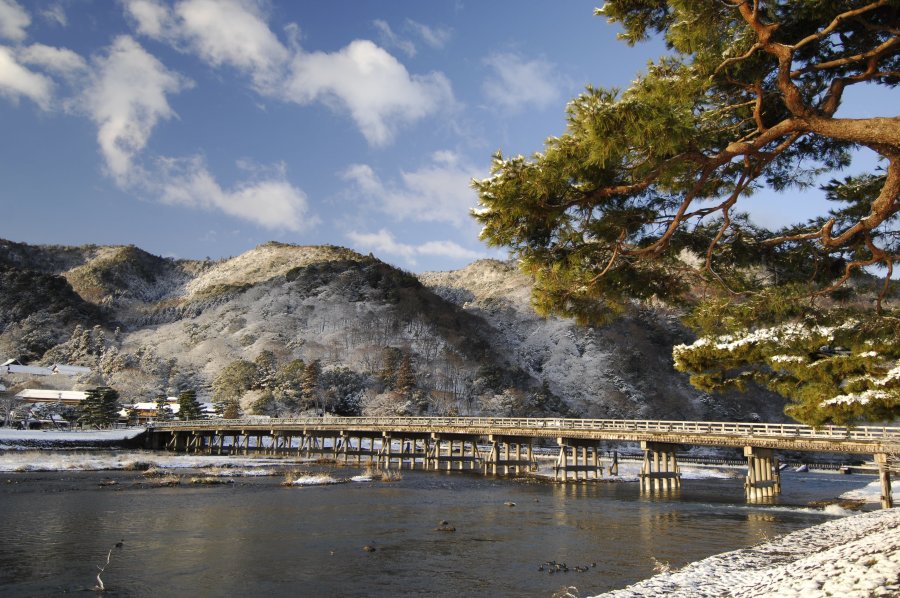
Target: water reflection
column 256, row 537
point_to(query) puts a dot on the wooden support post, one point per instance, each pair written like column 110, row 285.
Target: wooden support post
column 475, row 456
column 563, row 462
column 660, row 468
column 763, row 482
column 884, row 476
column 506, row 457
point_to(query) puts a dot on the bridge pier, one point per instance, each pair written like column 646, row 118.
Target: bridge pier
column 501, row 460
column 349, row 450
column 585, row 459
column 660, row 470
column 444, row 450
column 884, row 476
column 763, row 480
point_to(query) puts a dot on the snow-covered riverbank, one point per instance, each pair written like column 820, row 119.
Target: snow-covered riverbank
column 848, row 557
column 11, row 439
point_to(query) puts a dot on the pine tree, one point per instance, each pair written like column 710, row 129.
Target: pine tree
column 230, row 409
column 311, row 391
column 266, row 367
column 390, row 361
column 289, row 384
column 405, row 379
column 232, row 384
column 163, row 409
column 188, row 406
column 638, row 199
column 100, row 407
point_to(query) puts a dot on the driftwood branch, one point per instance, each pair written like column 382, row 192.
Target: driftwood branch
column 100, row 587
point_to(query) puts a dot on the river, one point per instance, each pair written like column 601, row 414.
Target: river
column 255, row 537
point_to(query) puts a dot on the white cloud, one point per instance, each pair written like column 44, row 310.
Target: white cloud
column 516, row 82
column 448, row 249
column 437, row 192
column 234, row 33
column 221, row 32
column 56, row 14
column 435, row 37
column 272, row 202
column 126, row 98
column 13, row 20
column 17, row 81
column 375, row 88
column 152, row 18
column 392, row 40
column 384, row 243
column 361, row 79
column 57, row 60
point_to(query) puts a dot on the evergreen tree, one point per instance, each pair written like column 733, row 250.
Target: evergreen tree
column 266, row 367
column 231, row 409
column 311, row 391
column 265, row 405
column 343, row 390
column 390, row 361
column 289, row 384
column 100, row 408
column 638, row 198
column 232, row 383
column 405, row 378
column 188, row 405
column 163, row 409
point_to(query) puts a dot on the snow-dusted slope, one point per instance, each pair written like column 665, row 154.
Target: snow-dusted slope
column 621, row 370
column 263, row 263
column 148, row 324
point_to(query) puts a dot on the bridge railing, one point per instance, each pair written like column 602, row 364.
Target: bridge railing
column 563, row 425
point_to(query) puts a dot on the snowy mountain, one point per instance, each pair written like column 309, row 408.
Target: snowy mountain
column 149, row 325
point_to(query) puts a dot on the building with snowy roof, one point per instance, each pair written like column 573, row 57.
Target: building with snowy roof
column 69, row 370
column 144, row 412
column 47, row 395
column 14, row 366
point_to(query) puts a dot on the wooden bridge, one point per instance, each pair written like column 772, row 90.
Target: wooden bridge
column 503, row 446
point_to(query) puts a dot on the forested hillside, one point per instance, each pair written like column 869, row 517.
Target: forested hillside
column 284, row 328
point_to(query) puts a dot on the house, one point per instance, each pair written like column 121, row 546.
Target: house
column 145, row 412
column 45, row 395
column 14, row 366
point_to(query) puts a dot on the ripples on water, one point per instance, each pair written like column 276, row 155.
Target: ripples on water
column 257, row 538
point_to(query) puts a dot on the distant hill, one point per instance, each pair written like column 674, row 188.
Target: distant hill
column 149, row 325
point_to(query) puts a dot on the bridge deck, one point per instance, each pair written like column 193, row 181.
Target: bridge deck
column 862, row 439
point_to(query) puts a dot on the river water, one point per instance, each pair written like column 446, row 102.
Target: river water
column 255, row 537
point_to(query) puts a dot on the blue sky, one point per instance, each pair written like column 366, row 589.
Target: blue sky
column 201, row 128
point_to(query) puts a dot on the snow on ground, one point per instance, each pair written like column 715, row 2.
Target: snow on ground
column 857, row 556
column 872, row 492
column 315, row 480
column 10, row 437
column 69, row 460
column 629, row 471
